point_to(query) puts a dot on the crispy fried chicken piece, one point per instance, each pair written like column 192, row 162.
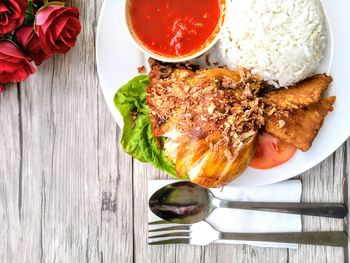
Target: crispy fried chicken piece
column 299, row 127
column 209, row 117
column 301, row 95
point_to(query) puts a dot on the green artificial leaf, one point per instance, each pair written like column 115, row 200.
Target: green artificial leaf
column 137, row 139
column 9, row 37
column 30, row 14
column 29, row 19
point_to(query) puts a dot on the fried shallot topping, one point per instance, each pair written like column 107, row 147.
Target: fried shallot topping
column 203, row 102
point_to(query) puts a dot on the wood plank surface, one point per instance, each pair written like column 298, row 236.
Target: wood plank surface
column 10, row 152
column 68, row 193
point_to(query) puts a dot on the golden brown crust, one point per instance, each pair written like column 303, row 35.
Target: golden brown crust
column 300, row 126
column 301, row 95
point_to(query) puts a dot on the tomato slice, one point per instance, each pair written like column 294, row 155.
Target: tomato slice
column 271, row 152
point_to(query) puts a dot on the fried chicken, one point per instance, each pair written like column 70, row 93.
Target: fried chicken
column 210, row 118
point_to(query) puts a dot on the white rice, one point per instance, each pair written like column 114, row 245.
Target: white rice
column 281, row 40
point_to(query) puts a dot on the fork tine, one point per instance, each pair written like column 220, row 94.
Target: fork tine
column 174, row 234
column 159, row 222
column 170, row 228
column 171, row 241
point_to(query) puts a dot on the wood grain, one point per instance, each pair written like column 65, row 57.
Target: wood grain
column 68, row 193
column 10, row 160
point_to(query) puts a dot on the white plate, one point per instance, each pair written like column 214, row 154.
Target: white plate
column 118, row 59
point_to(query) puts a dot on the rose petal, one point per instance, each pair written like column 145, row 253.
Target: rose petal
column 12, row 14
column 14, row 65
column 57, row 28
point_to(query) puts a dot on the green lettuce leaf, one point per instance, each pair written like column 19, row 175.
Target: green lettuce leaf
column 137, row 139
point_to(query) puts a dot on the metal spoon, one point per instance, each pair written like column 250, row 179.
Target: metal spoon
column 187, row 203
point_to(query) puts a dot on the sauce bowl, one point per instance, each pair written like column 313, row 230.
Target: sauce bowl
column 202, row 47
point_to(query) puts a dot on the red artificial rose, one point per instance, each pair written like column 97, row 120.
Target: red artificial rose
column 58, row 28
column 12, row 14
column 14, row 65
column 30, row 42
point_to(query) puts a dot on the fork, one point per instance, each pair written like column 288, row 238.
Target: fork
column 203, row 234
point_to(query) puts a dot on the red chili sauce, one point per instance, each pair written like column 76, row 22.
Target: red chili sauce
column 174, row 27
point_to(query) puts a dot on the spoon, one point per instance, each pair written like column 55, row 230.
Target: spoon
column 187, row 203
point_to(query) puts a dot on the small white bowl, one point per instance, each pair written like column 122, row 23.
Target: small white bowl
column 174, row 59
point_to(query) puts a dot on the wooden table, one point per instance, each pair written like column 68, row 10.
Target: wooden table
column 68, row 193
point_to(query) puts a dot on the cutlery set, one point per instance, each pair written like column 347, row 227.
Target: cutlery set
column 184, row 208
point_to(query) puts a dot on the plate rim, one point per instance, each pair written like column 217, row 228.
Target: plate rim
column 240, row 182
